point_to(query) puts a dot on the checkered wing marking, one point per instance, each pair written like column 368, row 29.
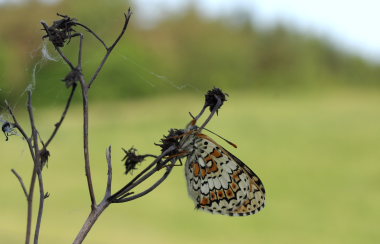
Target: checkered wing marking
column 221, row 183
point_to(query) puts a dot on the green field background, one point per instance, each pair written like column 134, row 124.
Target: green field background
column 304, row 112
column 317, row 154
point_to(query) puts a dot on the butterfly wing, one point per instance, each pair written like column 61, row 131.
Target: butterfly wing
column 221, row 183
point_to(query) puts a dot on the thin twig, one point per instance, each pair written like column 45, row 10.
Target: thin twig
column 59, row 123
column 85, row 141
column 41, row 206
column 141, row 173
column 143, row 178
column 127, row 17
column 38, row 166
column 34, row 130
column 109, row 173
column 140, row 178
column 19, row 127
column 94, row 34
column 80, row 55
column 30, row 205
column 65, row 58
column 169, row 168
column 21, row 182
column 35, row 168
column 109, row 50
column 126, row 194
column 30, row 193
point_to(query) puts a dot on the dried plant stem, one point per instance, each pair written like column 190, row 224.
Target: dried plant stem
column 21, row 182
column 80, row 54
column 39, row 157
column 30, row 192
column 98, row 209
column 30, row 206
column 85, row 89
column 41, row 206
column 215, row 110
column 37, row 166
column 90, row 221
column 109, row 173
column 144, row 174
column 35, row 151
column 109, row 49
column 63, row 116
column 86, row 152
column 85, row 142
column 169, row 168
column 19, row 127
column 94, row 34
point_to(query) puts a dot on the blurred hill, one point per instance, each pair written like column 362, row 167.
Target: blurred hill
column 184, row 52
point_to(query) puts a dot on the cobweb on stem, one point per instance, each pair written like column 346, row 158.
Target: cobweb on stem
column 45, row 58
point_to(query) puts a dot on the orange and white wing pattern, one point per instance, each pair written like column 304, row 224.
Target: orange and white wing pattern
column 219, row 182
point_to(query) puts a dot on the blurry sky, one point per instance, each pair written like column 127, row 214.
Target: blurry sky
column 352, row 25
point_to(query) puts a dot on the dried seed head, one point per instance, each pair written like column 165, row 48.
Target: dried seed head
column 215, row 99
column 172, row 139
column 132, row 159
column 72, row 77
column 44, row 155
column 61, row 30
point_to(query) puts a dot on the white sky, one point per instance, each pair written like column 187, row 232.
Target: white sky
column 351, row 24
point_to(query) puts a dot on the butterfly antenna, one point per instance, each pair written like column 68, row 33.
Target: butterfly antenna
column 231, row 143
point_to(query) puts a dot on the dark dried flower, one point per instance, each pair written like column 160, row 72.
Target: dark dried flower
column 72, row 77
column 44, row 155
column 60, row 31
column 132, row 159
column 8, row 130
column 172, row 139
column 213, row 97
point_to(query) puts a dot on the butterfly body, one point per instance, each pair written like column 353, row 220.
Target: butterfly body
column 217, row 181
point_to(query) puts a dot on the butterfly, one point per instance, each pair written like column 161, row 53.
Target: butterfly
column 217, row 181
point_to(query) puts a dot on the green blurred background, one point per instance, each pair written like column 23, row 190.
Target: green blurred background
column 304, row 114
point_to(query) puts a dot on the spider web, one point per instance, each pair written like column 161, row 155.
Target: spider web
column 142, row 69
column 43, row 56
